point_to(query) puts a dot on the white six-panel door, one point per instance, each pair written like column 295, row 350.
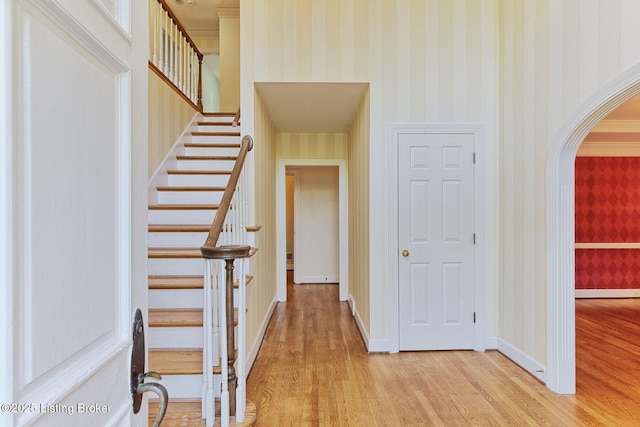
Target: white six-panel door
column 436, row 241
column 74, row 218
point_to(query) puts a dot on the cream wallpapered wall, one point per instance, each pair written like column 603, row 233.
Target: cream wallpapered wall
column 263, row 157
column 358, row 169
column 555, row 55
column 311, row 145
column 169, row 115
column 426, row 61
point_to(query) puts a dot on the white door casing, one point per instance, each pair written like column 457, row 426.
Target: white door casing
column 316, row 249
column 75, row 218
column 435, row 230
column 281, row 217
column 471, row 134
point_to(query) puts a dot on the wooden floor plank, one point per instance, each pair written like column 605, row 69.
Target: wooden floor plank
column 313, row 370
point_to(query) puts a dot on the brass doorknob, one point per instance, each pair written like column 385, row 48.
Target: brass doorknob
column 405, row 253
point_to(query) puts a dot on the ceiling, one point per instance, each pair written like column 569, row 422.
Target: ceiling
column 325, row 107
column 630, row 110
column 312, row 107
column 200, row 17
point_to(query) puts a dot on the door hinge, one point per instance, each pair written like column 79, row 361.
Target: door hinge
column 474, row 157
column 474, row 317
column 474, row 238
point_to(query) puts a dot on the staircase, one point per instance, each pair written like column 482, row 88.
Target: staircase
column 183, row 199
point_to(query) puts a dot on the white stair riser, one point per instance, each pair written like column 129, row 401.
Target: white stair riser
column 196, row 197
column 205, row 164
column 212, row 138
column 213, row 180
column 169, row 216
column 214, row 127
column 187, row 386
column 175, row 266
column 216, row 119
column 175, row 337
column 168, row 239
column 170, row 298
column 211, row 151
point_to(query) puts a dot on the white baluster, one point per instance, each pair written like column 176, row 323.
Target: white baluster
column 185, row 54
column 242, row 305
column 156, row 33
column 224, row 368
column 165, row 34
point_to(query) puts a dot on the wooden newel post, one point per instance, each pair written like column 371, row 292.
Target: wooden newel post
column 200, row 105
column 231, row 350
column 229, row 254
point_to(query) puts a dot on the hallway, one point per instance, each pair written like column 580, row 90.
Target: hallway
column 313, row 370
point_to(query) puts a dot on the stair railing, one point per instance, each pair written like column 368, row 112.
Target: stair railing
column 226, row 242
column 173, row 54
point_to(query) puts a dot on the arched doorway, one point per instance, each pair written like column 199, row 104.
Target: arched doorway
column 561, row 363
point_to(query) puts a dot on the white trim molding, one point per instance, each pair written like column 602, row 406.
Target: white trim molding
column 521, row 359
column 257, row 343
column 483, row 214
column 561, row 358
column 607, row 293
column 281, row 222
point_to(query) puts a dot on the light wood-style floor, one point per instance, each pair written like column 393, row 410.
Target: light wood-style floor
column 313, row 370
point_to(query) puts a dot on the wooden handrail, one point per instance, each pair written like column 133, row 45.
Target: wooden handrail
column 164, row 5
column 225, row 203
column 236, row 119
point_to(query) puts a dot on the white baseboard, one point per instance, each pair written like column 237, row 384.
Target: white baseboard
column 373, row 346
column 255, row 347
column 607, row 293
column 491, row 343
column 523, row 360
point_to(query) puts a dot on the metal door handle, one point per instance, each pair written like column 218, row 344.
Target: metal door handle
column 138, row 386
column 405, row 253
column 157, row 389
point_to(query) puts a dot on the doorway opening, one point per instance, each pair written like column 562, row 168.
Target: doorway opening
column 561, row 361
column 303, row 261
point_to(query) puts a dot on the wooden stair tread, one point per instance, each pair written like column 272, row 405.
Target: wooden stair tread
column 175, row 317
column 189, row 413
column 198, row 172
column 189, row 188
column 201, row 123
column 176, row 282
column 183, row 206
column 179, row 227
column 219, row 114
column 185, row 157
column 183, row 282
column 174, row 253
column 199, row 133
column 253, row 228
column 177, row 362
column 211, row 145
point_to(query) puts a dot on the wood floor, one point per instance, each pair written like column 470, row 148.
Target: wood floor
column 313, row 370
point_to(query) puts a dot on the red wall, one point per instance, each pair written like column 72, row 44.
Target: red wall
column 607, row 207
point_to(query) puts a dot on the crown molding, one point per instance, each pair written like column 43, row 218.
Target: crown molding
column 228, row 12
column 204, row 33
